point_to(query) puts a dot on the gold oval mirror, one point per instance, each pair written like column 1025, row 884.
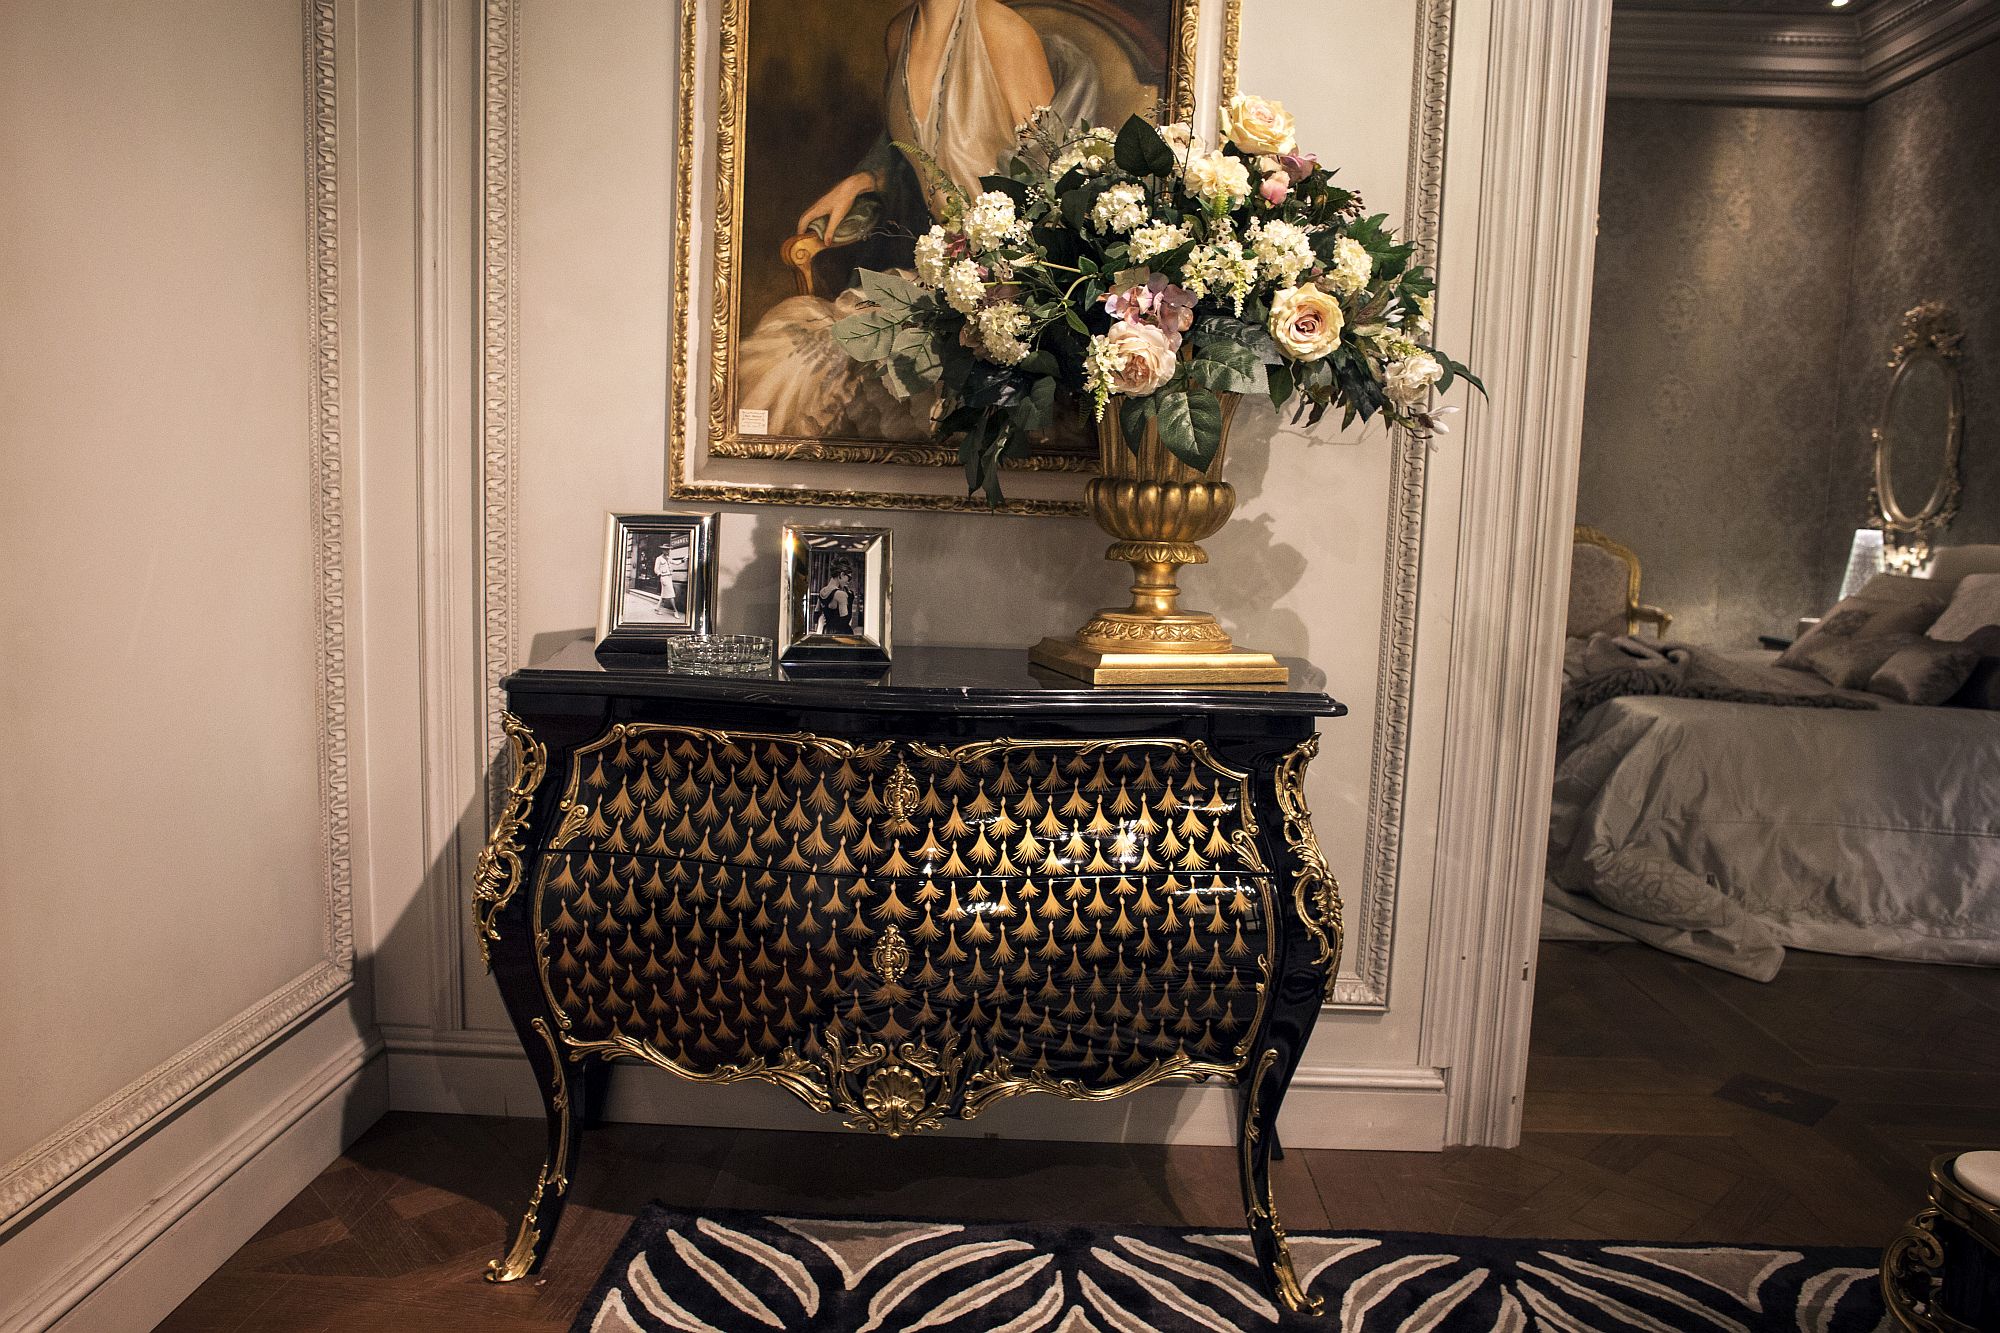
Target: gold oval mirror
column 1917, row 438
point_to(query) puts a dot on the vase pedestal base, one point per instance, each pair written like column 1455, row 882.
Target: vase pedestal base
column 1224, row 665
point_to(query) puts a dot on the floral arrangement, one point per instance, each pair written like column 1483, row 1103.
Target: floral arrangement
column 1149, row 268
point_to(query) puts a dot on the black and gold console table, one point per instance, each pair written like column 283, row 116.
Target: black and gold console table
column 906, row 898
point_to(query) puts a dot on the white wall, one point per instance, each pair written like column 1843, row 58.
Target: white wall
column 173, row 896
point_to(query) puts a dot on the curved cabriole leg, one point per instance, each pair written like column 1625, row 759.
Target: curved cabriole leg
column 1268, row 1078
column 1307, row 957
column 563, row 1097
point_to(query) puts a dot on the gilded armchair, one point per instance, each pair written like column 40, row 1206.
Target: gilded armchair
column 1604, row 590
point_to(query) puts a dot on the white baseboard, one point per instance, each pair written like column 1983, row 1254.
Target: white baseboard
column 479, row 1073
column 119, row 1250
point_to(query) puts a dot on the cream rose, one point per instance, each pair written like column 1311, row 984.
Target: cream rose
column 1409, row 379
column 1216, row 175
column 1306, row 322
column 1259, row 125
column 1136, row 358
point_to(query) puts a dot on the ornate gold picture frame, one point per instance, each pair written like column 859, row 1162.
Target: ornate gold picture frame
column 789, row 178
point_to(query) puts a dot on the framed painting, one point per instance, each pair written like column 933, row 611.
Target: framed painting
column 800, row 130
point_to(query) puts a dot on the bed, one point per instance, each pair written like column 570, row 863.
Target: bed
column 1728, row 832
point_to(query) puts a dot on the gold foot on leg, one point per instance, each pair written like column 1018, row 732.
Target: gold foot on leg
column 519, row 1261
column 525, row 1254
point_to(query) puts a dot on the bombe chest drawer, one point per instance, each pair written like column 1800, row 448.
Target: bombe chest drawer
column 904, row 899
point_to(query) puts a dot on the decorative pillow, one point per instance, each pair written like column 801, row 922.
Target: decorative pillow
column 1982, row 687
column 1975, row 603
column 1856, row 637
column 1924, row 671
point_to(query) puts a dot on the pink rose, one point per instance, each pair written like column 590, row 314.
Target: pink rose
column 1275, row 187
column 1299, row 165
column 1140, row 359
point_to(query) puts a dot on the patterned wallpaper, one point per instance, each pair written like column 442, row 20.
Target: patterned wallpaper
column 1927, row 224
column 1722, row 266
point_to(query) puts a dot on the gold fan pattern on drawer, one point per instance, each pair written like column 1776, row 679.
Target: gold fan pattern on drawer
column 900, row 930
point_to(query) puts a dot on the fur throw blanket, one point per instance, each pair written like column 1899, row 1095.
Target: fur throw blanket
column 1604, row 667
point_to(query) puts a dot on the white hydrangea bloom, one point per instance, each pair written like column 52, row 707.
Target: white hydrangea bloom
column 1351, row 267
column 990, row 222
column 1220, row 268
column 1283, row 250
column 930, row 258
column 1091, row 154
column 1119, row 209
column 1000, row 327
column 963, row 287
column 1156, row 238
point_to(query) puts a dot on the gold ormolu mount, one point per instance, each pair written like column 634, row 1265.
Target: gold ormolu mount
column 1159, row 509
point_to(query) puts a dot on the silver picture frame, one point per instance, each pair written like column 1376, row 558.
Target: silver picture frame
column 659, row 580
column 834, row 589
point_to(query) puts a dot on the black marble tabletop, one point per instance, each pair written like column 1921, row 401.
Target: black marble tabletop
column 920, row 678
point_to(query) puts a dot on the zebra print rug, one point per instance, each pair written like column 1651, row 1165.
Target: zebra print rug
column 721, row 1272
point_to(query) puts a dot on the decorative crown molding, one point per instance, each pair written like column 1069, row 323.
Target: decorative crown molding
column 1830, row 60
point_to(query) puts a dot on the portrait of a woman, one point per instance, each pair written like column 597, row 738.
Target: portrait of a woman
column 959, row 76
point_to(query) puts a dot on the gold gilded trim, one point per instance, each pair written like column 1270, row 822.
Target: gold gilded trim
column 1181, row 66
column 1232, row 37
column 553, row 1181
column 720, row 257
column 1264, row 1209
column 498, row 872
column 788, row 1069
column 1913, row 1263
column 1315, row 890
column 890, row 956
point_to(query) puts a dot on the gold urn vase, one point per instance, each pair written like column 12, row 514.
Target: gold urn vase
column 1159, row 509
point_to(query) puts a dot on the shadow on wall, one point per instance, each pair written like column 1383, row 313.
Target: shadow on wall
column 1253, row 572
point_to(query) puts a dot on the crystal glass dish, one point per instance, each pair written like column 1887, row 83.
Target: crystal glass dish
column 720, row 654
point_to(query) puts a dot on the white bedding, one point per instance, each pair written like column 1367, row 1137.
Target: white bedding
column 1729, row 831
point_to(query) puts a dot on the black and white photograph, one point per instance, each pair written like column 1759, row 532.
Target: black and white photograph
column 659, row 580
column 835, row 596
column 655, row 578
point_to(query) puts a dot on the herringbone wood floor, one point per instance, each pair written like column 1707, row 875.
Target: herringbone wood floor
column 1666, row 1101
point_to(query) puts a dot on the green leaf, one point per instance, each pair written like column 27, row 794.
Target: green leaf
column 1280, row 381
column 1205, row 414
column 1177, row 427
column 972, row 448
column 1140, row 150
column 868, row 335
column 1040, row 407
column 1226, row 366
column 1210, row 329
column 894, row 293
column 1133, row 414
column 1076, row 205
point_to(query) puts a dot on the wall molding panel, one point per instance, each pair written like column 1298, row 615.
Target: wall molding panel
column 1530, row 297
column 115, row 1123
column 1792, row 59
column 185, row 1198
